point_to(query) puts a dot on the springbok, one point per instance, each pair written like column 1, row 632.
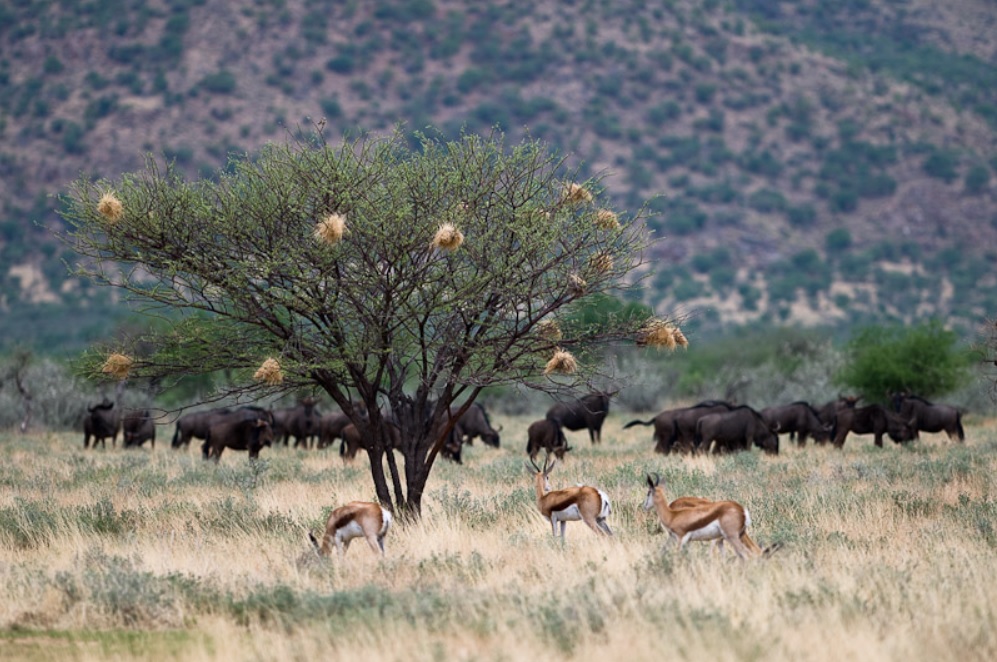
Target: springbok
column 354, row 520
column 583, row 502
column 695, row 518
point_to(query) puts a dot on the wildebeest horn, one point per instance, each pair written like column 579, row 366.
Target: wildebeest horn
column 498, row 429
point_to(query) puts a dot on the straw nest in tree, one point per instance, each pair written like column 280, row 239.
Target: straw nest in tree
column 607, row 219
column 602, row 262
column 549, row 329
column 269, row 373
column 577, row 285
column 117, row 366
column 330, row 230
column 563, row 362
column 577, row 194
column 110, row 207
column 661, row 334
column 448, row 237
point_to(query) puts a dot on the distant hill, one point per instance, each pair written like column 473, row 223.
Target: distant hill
column 818, row 162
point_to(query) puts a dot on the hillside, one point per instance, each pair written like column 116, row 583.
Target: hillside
column 814, row 162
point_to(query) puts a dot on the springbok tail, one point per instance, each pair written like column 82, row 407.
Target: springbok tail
column 315, row 543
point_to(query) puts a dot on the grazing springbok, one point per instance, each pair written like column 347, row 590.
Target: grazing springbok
column 583, row 502
column 694, row 518
column 354, row 520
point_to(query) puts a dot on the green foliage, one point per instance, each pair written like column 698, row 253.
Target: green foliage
column 925, row 359
column 602, row 312
column 942, row 165
column 801, row 216
column 838, row 240
column 767, row 200
column 977, row 179
column 220, row 82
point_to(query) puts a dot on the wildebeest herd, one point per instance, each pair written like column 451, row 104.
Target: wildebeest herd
column 713, row 426
column 710, row 426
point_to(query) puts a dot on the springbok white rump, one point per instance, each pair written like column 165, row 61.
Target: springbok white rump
column 584, row 502
column 695, row 518
column 354, row 520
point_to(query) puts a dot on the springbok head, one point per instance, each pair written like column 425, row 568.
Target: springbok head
column 549, row 464
column 652, row 483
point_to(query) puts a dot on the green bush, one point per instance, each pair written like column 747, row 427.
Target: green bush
column 220, row 82
column 924, row 359
column 977, row 179
column 767, row 200
column 838, row 240
column 802, row 216
column 942, row 165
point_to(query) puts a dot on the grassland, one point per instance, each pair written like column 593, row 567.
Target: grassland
column 889, row 554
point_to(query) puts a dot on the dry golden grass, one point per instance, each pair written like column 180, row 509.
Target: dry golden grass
column 889, row 554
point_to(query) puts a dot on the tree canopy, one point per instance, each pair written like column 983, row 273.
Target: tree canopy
column 924, row 359
column 403, row 279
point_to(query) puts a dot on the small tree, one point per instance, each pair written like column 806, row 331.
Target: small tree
column 399, row 277
column 923, row 359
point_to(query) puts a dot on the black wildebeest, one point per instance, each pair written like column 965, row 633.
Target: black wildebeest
column 675, row 429
column 800, row 419
column 103, row 420
column 872, row 419
column 138, row 428
column 331, row 426
column 240, row 433
column 353, row 440
column 587, row 413
column 475, row 423
column 829, row 412
column 303, row 422
column 546, row 434
column 929, row 417
column 735, row 430
column 196, row 424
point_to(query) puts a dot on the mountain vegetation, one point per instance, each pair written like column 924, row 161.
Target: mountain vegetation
column 811, row 162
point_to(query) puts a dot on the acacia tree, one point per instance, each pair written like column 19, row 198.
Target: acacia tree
column 407, row 279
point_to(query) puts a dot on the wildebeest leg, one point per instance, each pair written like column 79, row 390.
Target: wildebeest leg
column 879, row 438
column 205, row 450
column 801, row 439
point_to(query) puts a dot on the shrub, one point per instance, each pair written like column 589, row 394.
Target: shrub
column 924, row 359
column 977, row 179
column 767, row 200
column 663, row 112
column 942, row 165
column 220, row 82
column 802, row 216
column 838, row 240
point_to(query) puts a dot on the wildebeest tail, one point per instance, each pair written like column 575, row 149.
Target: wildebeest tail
column 638, row 422
column 958, row 425
column 176, row 435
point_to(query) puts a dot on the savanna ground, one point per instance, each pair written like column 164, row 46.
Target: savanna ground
column 889, row 554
